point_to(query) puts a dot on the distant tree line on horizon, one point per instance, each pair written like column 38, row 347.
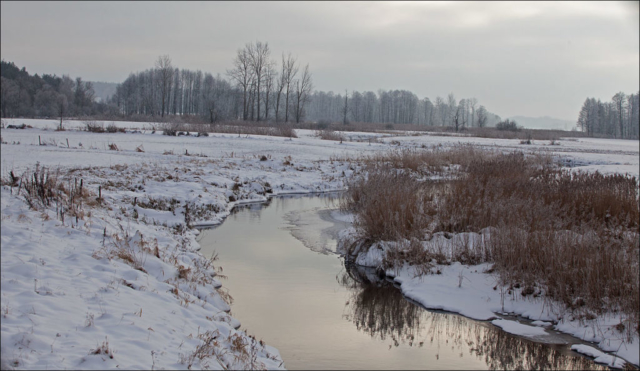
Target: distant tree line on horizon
column 618, row 118
column 23, row 95
column 256, row 88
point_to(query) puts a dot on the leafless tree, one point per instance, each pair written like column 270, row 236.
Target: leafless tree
column 289, row 72
column 346, row 107
column 458, row 118
column 270, row 75
column 303, row 89
column 242, row 74
column 482, row 117
column 258, row 59
column 165, row 73
column 62, row 106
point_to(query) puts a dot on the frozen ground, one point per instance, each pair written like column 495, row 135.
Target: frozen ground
column 65, row 294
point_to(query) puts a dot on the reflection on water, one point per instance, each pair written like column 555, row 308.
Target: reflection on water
column 288, row 296
column 379, row 309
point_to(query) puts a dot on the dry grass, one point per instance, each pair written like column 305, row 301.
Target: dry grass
column 572, row 235
column 330, row 135
column 94, row 126
column 103, row 349
column 43, row 188
column 388, row 205
column 426, row 162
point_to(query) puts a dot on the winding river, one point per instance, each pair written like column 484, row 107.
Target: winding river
column 291, row 290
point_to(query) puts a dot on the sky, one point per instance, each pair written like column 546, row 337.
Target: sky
column 517, row 58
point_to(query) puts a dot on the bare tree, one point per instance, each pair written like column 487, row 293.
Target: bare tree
column 289, row 71
column 619, row 101
column 346, row 107
column 472, row 104
column 259, row 59
column 242, row 74
column 451, row 108
column 458, row 118
column 270, row 75
column 62, row 106
column 280, row 84
column 165, row 73
column 303, row 89
column 482, row 117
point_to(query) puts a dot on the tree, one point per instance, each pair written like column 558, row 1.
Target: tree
column 10, row 92
column 345, row 109
column 619, row 101
column 289, row 71
column 165, row 74
column 242, row 74
column 62, row 103
column 482, row 117
column 458, row 118
column 472, row 104
column 451, row 108
column 303, row 88
column 259, row 61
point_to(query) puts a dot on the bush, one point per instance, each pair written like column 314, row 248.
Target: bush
column 94, row 126
column 112, row 128
column 329, row 135
column 323, row 124
column 507, row 125
column 170, row 129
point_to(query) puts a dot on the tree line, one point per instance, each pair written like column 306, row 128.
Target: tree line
column 24, row 95
column 260, row 88
column 257, row 89
column 399, row 107
column 618, row 118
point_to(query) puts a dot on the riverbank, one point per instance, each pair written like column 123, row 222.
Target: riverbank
column 102, row 270
column 482, row 233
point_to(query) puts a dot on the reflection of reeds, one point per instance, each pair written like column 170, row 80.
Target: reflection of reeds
column 380, row 310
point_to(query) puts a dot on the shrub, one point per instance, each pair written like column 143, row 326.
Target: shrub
column 323, row 124
column 170, row 129
column 507, row 125
column 329, row 135
column 112, row 128
column 94, row 126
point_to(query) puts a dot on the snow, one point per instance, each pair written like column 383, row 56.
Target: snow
column 471, row 291
column 600, row 357
column 65, row 293
column 517, row 328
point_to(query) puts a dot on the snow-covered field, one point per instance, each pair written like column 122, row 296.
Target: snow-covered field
column 66, row 292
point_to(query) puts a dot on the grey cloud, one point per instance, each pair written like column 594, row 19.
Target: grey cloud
column 517, row 58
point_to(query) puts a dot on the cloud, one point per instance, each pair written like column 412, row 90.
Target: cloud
column 495, row 51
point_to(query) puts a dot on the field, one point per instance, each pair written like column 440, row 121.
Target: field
column 98, row 247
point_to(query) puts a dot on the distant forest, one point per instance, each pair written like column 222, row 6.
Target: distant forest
column 618, row 118
column 259, row 88
column 256, row 88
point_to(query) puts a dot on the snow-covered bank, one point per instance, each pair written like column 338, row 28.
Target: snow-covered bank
column 124, row 286
column 66, row 304
column 475, row 292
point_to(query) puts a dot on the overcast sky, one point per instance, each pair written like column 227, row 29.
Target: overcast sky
column 516, row 58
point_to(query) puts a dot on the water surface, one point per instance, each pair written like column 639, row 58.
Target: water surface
column 291, row 291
